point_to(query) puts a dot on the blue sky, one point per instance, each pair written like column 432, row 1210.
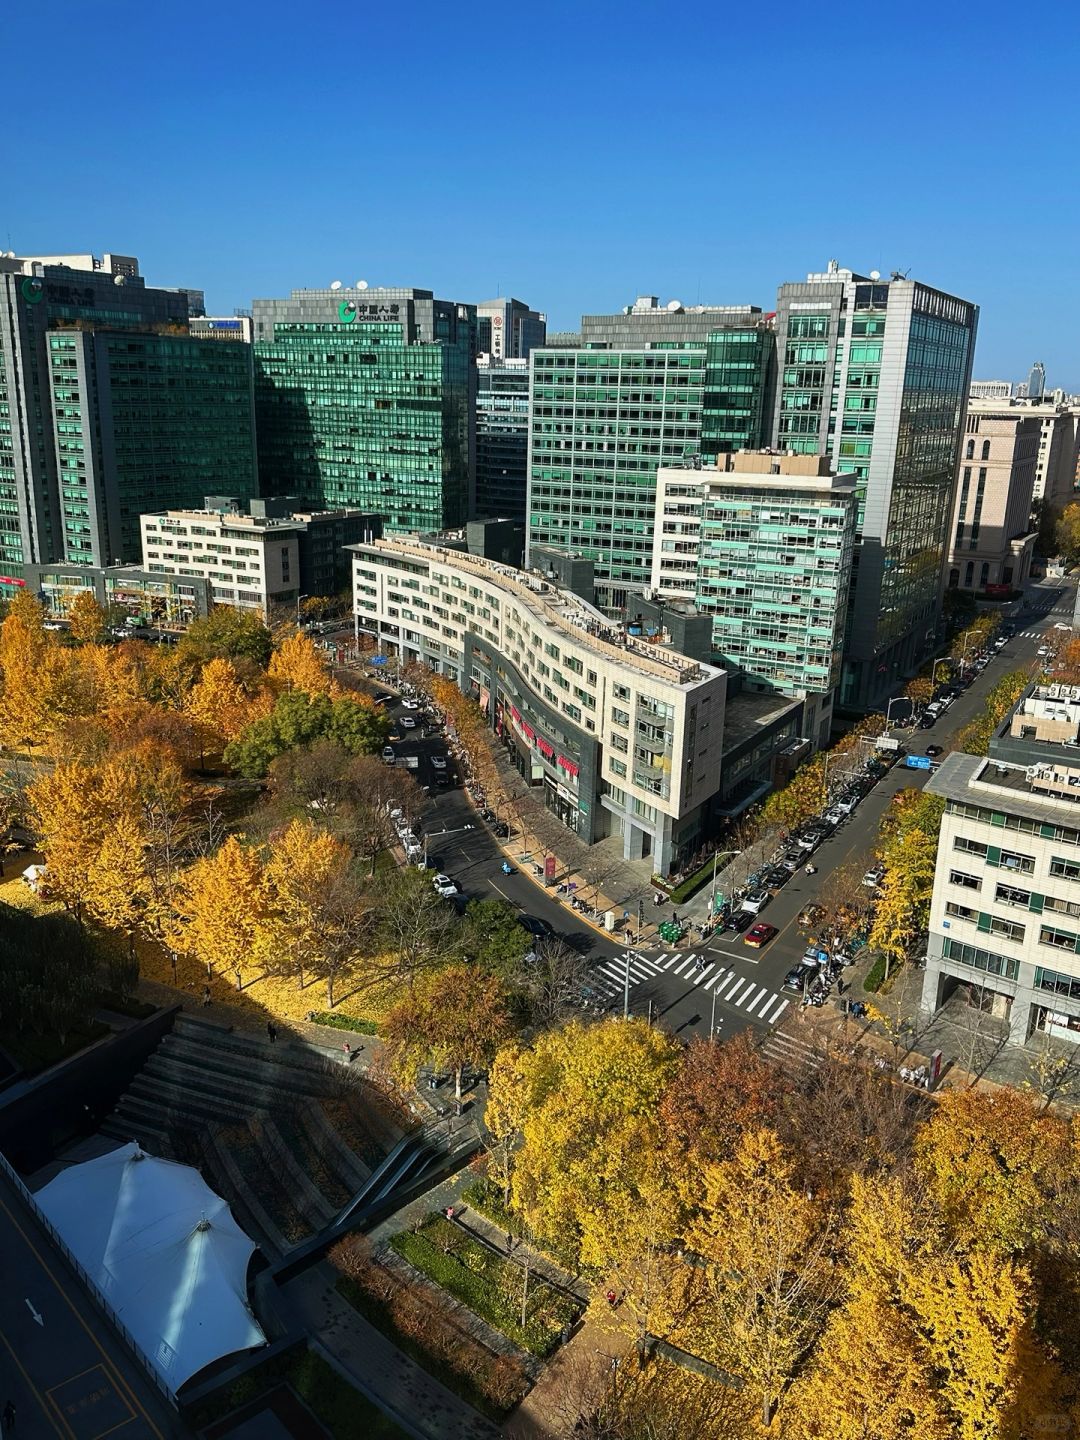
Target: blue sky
column 575, row 155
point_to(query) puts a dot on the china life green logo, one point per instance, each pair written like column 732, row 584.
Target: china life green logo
column 31, row 291
column 347, row 311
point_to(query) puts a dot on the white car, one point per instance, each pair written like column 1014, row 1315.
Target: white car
column 444, row 886
column 1060, row 625
column 438, row 762
column 1043, row 652
column 410, row 704
column 408, row 722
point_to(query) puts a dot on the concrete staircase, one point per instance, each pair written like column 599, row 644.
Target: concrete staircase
column 251, row 1116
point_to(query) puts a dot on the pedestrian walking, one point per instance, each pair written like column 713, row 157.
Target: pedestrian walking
column 206, row 995
column 271, row 1030
column 8, row 1418
column 348, row 1052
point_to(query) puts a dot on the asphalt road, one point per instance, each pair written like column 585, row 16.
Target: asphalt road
column 59, row 1364
column 724, row 982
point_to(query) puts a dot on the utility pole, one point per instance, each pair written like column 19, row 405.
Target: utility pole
column 626, row 987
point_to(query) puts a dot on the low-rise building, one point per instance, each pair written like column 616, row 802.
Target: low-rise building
column 1005, row 915
column 269, row 556
column 125, row 591
column 619, row 735
column 763, row 543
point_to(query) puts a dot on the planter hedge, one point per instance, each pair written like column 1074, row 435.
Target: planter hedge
column 343, row 1022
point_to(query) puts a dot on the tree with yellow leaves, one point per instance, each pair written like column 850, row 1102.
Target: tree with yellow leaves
column 86, row 618
column 297, row 665
column 118, row 889
column 905, row 893
column 582, row 1104
column 299, row 874
column 220, row 704
column 222, row 911
column 764, row 1278
column 25, row 715
column 454, row 1019
column 70, row 810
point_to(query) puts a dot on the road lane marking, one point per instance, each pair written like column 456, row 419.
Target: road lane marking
column 111, row 1369
column 30, row 1384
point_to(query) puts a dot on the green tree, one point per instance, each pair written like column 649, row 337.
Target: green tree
column 227, row 634
column 494, row 938
column 359, row 727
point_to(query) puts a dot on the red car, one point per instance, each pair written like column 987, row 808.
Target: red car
column 759, row 935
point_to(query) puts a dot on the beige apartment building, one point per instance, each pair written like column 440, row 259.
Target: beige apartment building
column 992, row 537
column 617, row 734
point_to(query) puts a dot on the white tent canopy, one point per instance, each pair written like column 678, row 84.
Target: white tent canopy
column 165, row 1252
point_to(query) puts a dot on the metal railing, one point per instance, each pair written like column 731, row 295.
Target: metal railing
column 135, row 1351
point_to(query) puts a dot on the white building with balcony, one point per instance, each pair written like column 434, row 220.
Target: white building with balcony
column 620, row 735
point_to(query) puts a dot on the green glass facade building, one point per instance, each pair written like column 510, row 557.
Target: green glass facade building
column 651, row 387
column 763, row 543
column 144, row 422
column 365, row 399
column 874, row 374
column 107, row 408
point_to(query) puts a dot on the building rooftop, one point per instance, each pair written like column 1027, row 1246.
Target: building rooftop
column 749, row 711
column 575, row 617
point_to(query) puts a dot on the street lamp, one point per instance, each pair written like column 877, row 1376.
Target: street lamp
column 298, row 599
column 941, row 660
column 715, row 862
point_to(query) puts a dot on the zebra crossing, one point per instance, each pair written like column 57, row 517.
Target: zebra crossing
column 713, row 975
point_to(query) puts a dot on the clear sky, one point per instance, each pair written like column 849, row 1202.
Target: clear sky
column 572, row 154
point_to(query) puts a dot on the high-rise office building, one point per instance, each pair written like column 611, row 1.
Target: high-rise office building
column 652, row 386
column 875, row 374
column 508, row 329
column 1036, row 381
column 113, row 408
column 764, row 544
column 502, row 437
column 365, row 398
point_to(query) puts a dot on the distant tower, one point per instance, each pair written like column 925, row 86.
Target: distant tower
column 1036, row 384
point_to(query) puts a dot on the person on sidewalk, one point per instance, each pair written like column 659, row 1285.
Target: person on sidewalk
column 206, row 998
column 271, row 1031
column 347, row 1048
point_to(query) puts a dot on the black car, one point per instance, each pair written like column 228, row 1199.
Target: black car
column 933, row 750
column 539, row 929
column 742, row 920
column 927, row 722
column 502, row 830
column 777, row 876
column 798, row 975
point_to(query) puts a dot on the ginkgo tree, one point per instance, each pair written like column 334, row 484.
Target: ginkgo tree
column 222, row 912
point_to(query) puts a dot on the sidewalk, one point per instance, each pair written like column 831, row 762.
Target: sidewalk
column 377, row 1367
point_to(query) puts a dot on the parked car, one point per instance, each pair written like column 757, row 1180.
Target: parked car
column 933, row 750
column 846, row 803
column 792, row 860
column 797, row 977
column 1043, row 652
column 927, row 722
column 874, row 876
column 777, row 875
column 759, row 935
column 408, row 722
column 438, row 763
column 410, row 704
column 536, row 927
column 741, row 920
column 755, row 901
column 444, row 886
column 835, row 816
column 389, row 755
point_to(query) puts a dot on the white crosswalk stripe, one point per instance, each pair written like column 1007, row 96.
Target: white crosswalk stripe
column 693, row 969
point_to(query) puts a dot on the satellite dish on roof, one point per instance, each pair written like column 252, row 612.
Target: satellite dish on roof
column 118, row 279
column 674, row 304
column 335, row 284
column 361, row 284
column 875, row 274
